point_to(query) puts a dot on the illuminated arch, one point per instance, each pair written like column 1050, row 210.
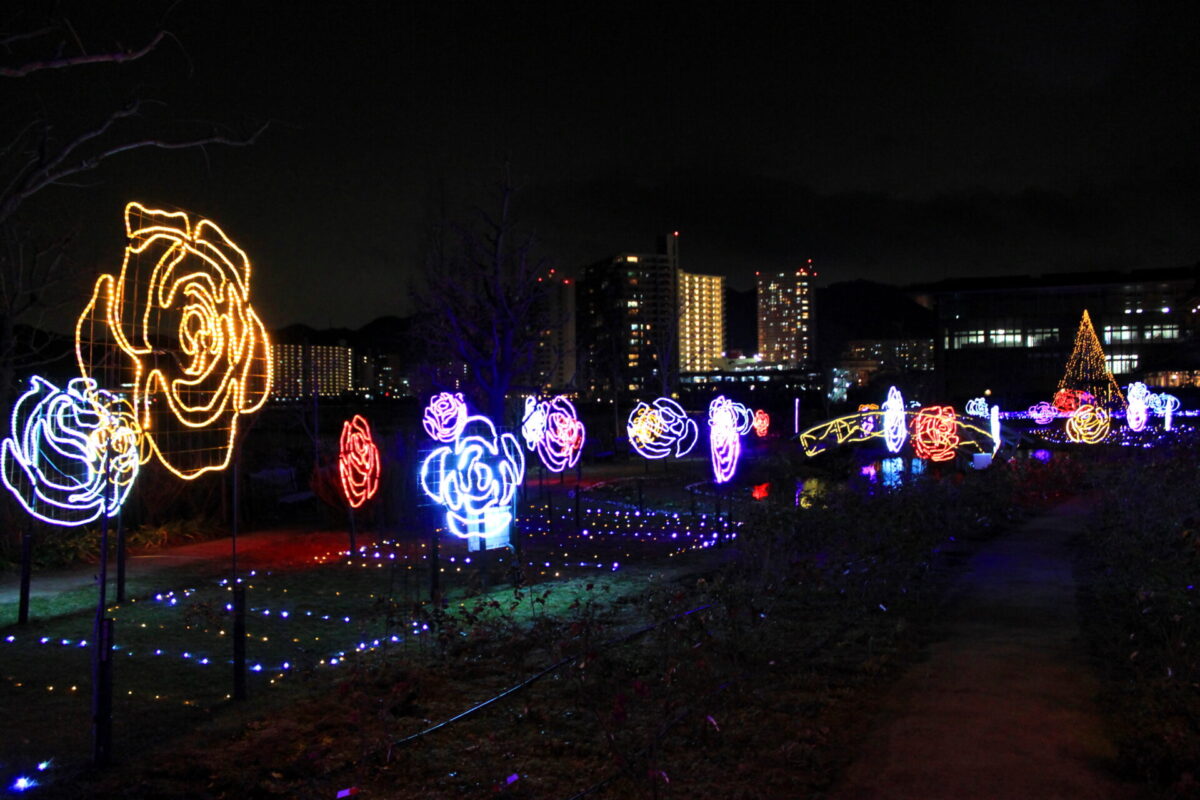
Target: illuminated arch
column 862, row 427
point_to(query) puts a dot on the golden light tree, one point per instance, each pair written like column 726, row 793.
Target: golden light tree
column 1087, row 369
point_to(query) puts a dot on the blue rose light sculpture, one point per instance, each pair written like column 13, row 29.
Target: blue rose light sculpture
column 476, row 478
column 73, row 455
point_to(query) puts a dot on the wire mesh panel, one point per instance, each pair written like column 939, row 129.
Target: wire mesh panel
column 175, row 330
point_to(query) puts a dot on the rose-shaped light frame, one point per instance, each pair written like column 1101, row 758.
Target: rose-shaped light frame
column 177, row 325
column 661, row 429
column 724, row 437
column 761, row 423
column 358, row 461
column 553, row 430
column 73, row 455
column 1043, row 413
column 1138, row 398
column 894, row 429
column 976, row 407
column 445, row 416
column 1068, row 400
column 475, row 478
column 935, row 433
column 1088, row 425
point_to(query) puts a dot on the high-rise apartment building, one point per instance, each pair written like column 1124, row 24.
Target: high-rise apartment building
column 785, row 316
column 628, row 323
column 701, row 321
column 555, row 357
column 302, row 370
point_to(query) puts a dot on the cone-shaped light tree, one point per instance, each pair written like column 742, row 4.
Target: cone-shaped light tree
column 1087, row 369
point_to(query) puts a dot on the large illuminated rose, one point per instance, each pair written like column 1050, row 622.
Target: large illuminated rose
column 553, row 429
column 72, row 455
column 1068, row 400
column 894, row 432
column 445, row 416
column 1089, row 424
column 358, row 462
column 176, row 324
column 475, row 478
column 934, row 433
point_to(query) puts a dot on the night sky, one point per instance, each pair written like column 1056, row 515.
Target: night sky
column 909, row 144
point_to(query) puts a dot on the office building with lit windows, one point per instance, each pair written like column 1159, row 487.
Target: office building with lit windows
column 302, row 370
column 627, row 327
column 1013, row 335
column 785, row 316
column 701, row 321
column 554, row 359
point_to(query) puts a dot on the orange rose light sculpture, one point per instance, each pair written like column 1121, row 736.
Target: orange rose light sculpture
column 358, row 462
column 176, row 325
column 1088, row 425
column 934, row 433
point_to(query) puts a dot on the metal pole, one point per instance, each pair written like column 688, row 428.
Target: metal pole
column 239, row 592
column 639, row 485
column 102, row 655
column 353, row 533
column 120, row 559
column 26, row 574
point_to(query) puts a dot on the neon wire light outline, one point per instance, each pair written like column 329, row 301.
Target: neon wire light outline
column 204, row 278
column 553, row 430
column 445, row 416
column 1089, row 424
column 73, row 455
column 761, row 423
column 724, row 437
column 661, row 429
column 475, row 478
column 894, row 429
column 358, row 461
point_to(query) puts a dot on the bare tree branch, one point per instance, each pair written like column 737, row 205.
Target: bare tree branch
column 119, row 57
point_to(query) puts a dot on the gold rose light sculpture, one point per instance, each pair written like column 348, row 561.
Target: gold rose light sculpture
column 175, row 329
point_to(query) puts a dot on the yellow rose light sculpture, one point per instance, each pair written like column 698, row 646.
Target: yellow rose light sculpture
column 176, row 328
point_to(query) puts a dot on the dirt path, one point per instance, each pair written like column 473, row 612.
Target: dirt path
column 1004, row 706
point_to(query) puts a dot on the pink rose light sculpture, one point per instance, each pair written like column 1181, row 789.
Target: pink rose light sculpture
column 445, row 416
column 1043, row 413
column 553, row 429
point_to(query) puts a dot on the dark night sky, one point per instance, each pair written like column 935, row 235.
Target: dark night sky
column 924, row 142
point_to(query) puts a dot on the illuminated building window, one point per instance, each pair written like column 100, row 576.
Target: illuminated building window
column 1122, row 363
column 1120, row 333
column 1039, row 336
column 1005, row 338
column 1161, row 332
column 969, row 339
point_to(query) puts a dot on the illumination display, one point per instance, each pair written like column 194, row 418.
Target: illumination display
column 1087, row 369
column 445, row 416
column 894, row 429
column 934, row 433
column 658, row 430
column 181, row 331
column 358, row 461
column 1136, row 411
column 73, row 455
column 762, row 423
column 994, row 428
column 760, row 491
column 869, row 421
column 1088, row 425
column 1068, row 400
column 554, row 431
column 475, row 478
column 1164, row 405
column 977, row 407
column 1043, row 413
column 724, row 438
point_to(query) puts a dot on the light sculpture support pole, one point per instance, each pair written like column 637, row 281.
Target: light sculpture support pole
column 120, row 559
column 26, row 574
column 239, row 591
column 102, row 647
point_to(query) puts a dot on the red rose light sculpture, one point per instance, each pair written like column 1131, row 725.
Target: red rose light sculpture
column 934, row 433
column 762, row 423
column 358, row 462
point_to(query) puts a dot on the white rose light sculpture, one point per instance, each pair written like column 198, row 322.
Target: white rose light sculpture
column 73, row 455
column 475, row 478
column 554, row 431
